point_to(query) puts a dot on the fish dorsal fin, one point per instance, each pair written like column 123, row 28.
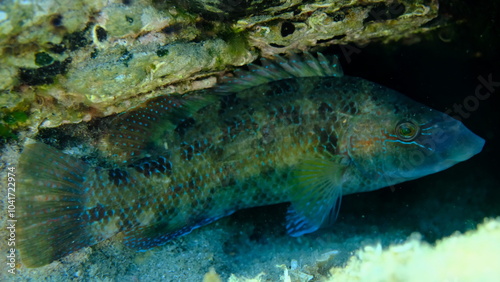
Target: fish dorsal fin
column 316, row 192
column 305, row 65
column 131, row 134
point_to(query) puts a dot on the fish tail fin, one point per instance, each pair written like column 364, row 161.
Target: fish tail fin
column 51, row 195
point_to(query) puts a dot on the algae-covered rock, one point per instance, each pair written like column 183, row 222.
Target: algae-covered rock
column 82, row 59
column 301, row 27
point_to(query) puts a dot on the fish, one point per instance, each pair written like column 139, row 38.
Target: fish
column 288, row 129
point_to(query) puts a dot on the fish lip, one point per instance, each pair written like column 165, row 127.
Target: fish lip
column 471, row 144
column 461, row 145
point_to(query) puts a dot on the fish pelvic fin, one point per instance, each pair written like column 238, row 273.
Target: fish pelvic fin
column 316, row 193
column 279, row 68
column 51, row 194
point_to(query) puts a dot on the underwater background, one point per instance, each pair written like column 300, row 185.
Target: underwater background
column 440, row 68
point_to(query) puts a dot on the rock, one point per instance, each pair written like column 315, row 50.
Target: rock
column 85, row 59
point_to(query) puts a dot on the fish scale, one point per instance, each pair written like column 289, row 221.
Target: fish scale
column 285, row 131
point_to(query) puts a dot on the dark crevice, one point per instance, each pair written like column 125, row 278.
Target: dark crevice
column 277, row 45
column 336, row 37
column 101, row 34
column 287, row 28
column 383, row 12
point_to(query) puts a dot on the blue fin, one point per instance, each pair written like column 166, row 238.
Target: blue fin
column 51, row 205
column 316, row 193
column 280, row 68
column 158, row 234
column 133, row 133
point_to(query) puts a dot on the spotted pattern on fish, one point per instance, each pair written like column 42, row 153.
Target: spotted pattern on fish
column 292, row 130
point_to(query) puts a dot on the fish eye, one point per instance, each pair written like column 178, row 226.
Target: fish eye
column 407, row 130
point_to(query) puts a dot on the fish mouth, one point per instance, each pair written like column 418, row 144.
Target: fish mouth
column 468, row 145
column 464, row 147
column 452, row 143
column 461, row 145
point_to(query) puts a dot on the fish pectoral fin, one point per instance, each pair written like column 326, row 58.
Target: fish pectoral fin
column 316, row 192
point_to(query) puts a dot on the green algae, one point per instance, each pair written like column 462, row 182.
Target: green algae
column 43, row 59
column 6, row 132
column 15, row 117
column 10, row 122
column 45, row 74
column 162, row 51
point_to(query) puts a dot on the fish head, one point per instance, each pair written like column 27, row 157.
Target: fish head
column 398, row 139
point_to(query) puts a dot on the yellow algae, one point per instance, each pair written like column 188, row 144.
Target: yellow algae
column 212, row 276
column 472, row 256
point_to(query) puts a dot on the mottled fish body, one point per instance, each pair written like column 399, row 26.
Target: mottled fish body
column 287, row 131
